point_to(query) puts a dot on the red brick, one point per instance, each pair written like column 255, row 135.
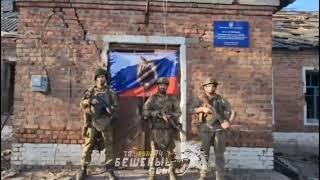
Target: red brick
column 48, row 132
column 16, row 135
column 63, row 132
column 32, row 136
column 73, row 137
column 62, row 136
column 73, row 133
column 29, row 131
column 65, row 141
column 55, row 132
column 39, row 131
column 25, row 136
column 30, row 140
column 22, row 140
column 45, row 136
column 37, row 140
column 22, row 131
column 73, row 141
column 44, row 140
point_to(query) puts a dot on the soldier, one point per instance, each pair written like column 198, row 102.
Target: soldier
column 99, row 104
column 215, row 114
column 162, row 112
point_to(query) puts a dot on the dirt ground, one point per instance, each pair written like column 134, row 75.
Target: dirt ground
column 97, row 174
column 5, row 155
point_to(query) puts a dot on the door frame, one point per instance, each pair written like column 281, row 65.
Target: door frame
column 152, row 40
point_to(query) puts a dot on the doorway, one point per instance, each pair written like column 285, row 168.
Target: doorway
column 131, row 131
column 7, row 86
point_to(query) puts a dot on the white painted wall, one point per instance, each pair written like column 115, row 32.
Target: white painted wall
column 62, row 154
column 238, row 157
column 51, row 154
column 6, row 133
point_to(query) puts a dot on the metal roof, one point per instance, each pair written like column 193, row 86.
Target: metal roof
column 284, row 3
column 9, row 19
column 9, row 24
column 291, row 30
column 7, row 5
column 295, row 30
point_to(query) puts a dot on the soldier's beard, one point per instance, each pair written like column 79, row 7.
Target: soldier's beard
column 162, row 91
column 101, row 84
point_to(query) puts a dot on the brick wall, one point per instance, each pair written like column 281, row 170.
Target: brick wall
column 8, row 46
column 52, row 38
column 288, row 89
column 29, row 135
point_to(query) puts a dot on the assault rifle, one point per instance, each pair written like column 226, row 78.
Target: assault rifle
column 171, row 121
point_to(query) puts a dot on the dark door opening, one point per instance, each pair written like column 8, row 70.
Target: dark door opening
column 7, row 86
column 131, row 132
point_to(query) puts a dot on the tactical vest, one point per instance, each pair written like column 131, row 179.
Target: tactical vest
column 217, row 115
column 101, row 117
column 162, row 105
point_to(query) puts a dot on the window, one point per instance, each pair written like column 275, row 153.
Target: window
column 311, row 90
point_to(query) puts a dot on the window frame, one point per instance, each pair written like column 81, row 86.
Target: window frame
column 305, row 119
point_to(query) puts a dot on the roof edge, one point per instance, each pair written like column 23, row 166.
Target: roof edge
column 283, row 4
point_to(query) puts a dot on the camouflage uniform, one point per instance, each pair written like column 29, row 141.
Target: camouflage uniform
column 97, row 122
column 162, row 132
column 208, row 128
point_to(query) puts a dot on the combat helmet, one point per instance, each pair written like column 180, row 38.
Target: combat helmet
column 163, row 80
column 100, row 72
column 210, row 81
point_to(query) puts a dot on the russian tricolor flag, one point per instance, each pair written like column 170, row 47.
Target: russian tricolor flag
column 135, row 74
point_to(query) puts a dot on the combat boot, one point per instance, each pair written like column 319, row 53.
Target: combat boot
column 202, row 178
column 83, row 174
column 172, row 173
column 203, row 175
column 110, row 174
column 152, row 173
column 220, row 175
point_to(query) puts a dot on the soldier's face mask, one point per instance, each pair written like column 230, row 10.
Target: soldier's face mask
column 101, row 80
column 210, row 88
column 162, row 88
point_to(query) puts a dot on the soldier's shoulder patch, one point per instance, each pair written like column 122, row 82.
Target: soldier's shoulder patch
column 222, row 99
column 91, row 88
column 89, row 91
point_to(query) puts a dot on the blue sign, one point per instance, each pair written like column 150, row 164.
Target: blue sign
column 231, row 34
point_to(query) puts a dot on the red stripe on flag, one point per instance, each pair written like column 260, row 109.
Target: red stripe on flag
column 139, row 91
